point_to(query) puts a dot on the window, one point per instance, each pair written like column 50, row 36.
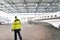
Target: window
column 45, row 16
column 55, row 15
column 40, row 17
column 48, row 16
column 51, row 16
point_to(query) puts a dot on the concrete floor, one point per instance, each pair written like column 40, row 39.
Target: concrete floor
column 31, row 32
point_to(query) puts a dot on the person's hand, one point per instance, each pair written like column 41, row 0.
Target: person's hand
column 11, row 29
column 19, row 29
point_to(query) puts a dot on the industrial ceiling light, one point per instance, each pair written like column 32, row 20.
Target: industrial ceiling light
column 48, row 4
column 36, row 4
column 24, row 4
column 2, row 6
column 59, row 5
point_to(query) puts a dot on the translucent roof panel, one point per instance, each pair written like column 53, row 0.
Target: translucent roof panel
column 32, row 0
column 29, row 6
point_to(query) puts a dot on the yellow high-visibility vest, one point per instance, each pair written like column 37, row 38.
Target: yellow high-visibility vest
column 16, row 25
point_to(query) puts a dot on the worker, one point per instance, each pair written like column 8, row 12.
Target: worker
column 16, row 27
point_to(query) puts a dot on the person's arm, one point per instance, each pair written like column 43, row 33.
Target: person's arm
column 20, row 24
column 13, row 26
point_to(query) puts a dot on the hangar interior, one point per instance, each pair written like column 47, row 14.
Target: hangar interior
column 27, row 9
column 36, row 17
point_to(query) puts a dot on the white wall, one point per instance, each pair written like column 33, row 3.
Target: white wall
column 24, row 16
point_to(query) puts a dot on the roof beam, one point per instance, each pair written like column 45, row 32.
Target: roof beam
column 10, row 4
column 3, row 5
column 38, row 5
column 35, row 2
column 6, row 3
column 26, row 5
column 49, row 5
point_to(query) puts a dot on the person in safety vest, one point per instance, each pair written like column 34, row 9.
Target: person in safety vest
column 16, row 27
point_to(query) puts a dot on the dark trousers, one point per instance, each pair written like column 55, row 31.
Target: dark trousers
column 15, row 34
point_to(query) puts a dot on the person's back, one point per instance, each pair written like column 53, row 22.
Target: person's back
column 16, row 27
column 16, row 24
